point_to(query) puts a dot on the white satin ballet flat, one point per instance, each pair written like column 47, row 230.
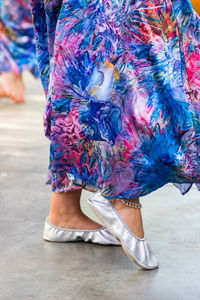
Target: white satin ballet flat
column 137, row 249
column 100, row 236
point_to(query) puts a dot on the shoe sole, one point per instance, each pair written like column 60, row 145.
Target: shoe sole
column 123, row 246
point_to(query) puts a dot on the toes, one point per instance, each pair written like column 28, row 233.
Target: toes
column 18, row 100
column 2, row 92
column 13, row 90
column 7, row 94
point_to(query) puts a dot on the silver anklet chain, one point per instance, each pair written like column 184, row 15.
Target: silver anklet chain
column 131, row 203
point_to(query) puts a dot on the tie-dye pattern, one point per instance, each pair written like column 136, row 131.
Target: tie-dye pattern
column 17, row 49
column 123, row 85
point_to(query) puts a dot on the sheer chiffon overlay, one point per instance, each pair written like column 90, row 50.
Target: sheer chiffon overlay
column 122, row 80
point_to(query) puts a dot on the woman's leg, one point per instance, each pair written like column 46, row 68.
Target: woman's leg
column 131, row 216
column 65, row 212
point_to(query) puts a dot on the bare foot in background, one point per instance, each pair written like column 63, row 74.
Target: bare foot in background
column 12, row 86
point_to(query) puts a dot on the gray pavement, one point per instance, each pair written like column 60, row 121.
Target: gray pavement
column 31, row 268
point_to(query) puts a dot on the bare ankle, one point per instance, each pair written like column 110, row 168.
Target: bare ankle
column 65, row 208
column 120, row 205
column 66, row 212
column 63, row 220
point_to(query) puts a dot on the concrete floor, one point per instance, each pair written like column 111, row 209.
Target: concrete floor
column 33, row 269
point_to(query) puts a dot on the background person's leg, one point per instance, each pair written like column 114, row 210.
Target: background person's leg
column 12, row 86
column 17, row 49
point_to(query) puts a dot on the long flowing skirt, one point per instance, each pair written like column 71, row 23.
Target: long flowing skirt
column 122, row 80
column 17, row 49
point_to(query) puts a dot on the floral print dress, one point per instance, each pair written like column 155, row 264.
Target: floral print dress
column 122, row 80
column 17, row 49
